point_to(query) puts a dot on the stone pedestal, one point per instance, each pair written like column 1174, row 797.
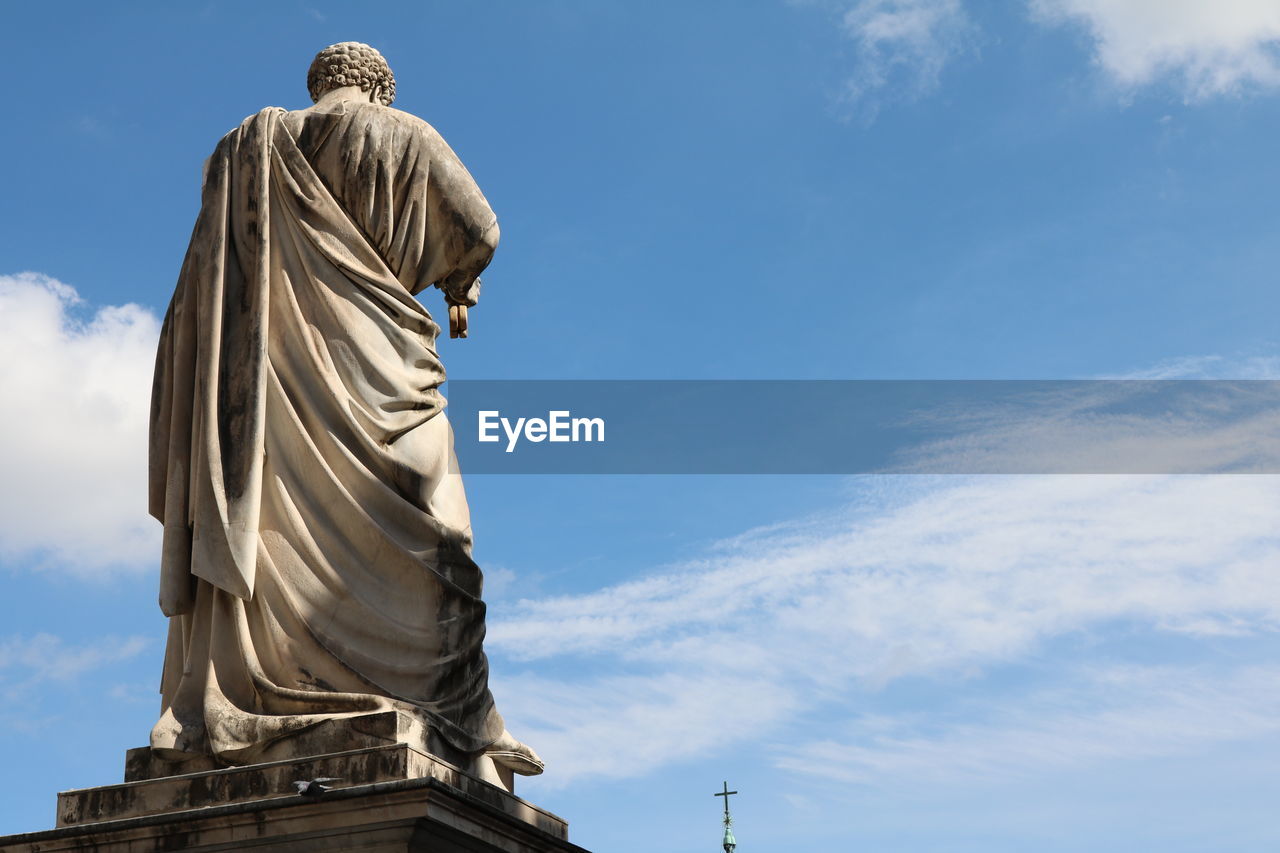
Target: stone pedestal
column 391, row 799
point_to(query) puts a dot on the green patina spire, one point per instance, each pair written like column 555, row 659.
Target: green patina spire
column 730, row 843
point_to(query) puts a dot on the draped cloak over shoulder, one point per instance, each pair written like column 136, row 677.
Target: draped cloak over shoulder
column 317, row 545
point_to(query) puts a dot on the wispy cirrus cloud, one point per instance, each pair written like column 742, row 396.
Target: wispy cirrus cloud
column 76, row 392
column 27, row 662
column 1256, row 366
column 48, row 657
column 1109, row 427
column 920, row 579
column 617, row 725
column 902, row 47
column 1102, row 714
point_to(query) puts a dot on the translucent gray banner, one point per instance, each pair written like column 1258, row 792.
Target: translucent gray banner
column 862, row 427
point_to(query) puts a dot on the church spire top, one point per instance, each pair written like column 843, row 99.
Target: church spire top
column 730, row 843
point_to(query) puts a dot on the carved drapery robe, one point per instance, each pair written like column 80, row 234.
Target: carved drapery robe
column 317, row 545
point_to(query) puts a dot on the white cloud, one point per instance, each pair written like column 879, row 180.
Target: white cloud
column 73, row 437
column 35, row 668
column 499, row 581
column 1211, row 367
column 902, row 46
column 620, row 726
column 1109, row 428
column 1208, row 47
column 1115, row 713
column 26, row 661
column 1205, row 48
column 958, row 572
column 934, row 579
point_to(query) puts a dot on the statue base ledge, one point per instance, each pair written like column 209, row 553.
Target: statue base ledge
column 428, row 805
column 339, row 734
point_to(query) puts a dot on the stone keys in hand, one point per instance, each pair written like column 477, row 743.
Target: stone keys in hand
column 458, row 313
column 457, row 321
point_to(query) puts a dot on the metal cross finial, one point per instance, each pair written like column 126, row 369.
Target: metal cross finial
column 729, row 841
column 726, row 793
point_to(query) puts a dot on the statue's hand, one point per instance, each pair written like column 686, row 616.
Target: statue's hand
column 457, row 321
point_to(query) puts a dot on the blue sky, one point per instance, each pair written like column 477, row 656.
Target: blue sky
column 762, row 190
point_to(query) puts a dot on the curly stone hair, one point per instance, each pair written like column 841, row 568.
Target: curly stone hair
column 351, row 63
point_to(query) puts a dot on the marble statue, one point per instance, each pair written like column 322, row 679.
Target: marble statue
column 317, row 560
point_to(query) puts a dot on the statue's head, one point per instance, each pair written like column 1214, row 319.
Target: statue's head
column 351, row 63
